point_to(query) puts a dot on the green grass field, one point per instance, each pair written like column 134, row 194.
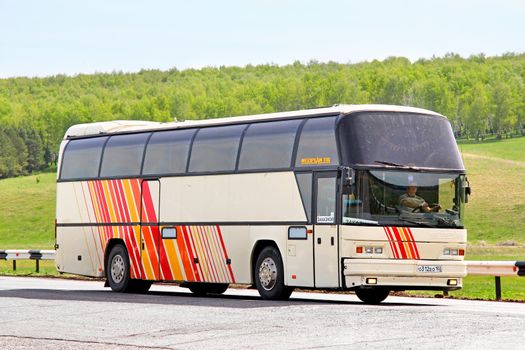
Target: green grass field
column 495, row 215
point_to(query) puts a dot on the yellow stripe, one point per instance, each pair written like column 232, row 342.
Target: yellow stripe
column 144, row 256
column 171, row 253
column 405, row 242
column 107, row 197
column 133, row 212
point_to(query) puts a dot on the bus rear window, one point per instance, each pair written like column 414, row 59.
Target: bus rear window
column 82, row 158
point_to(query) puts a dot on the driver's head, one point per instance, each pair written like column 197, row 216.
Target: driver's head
column 412, row 189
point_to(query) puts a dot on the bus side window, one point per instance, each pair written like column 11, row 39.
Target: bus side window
column 81, row 158
column 123, row 155
column 317, row 146
column 304, row 180
column 215, row 149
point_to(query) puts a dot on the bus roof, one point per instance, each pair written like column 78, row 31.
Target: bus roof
column 118, row 126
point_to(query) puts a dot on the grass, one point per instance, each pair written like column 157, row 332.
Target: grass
column 27, row 212
column 496, row 209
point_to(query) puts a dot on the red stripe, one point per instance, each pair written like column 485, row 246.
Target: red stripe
column 117, row 185
column 149, row 214
column 116, row 203
column 392, row 246
column 399, row 242
column 198, row 266
column 225, row 254
column 416, row 251
column 165, row 268
column 189, row 251
column 102, row 201
column 209, row 255
column 184, row 255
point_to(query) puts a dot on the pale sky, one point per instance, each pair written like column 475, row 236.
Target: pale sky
column 42, row 38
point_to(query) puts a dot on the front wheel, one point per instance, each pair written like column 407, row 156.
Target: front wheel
column 372, row 295
column 269, row 275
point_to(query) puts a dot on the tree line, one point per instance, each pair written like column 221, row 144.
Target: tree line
column 480, row 95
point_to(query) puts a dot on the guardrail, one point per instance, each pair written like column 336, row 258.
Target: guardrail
column 496, row 269
column 36, row 255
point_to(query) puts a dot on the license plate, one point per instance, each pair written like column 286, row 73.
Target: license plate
column 429, row 268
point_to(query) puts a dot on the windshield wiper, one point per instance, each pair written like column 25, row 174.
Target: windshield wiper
column 389, row 163
column 397, row 165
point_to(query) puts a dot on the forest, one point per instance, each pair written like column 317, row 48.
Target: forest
column 482, row 96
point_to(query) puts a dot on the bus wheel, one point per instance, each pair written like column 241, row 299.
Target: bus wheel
column 269, row 275
column 372, row 295
column 207, row 288
column 117, row 271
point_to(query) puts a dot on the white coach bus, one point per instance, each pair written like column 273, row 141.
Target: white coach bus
column 368, row 198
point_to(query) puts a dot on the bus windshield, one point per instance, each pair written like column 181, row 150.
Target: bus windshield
column 404, row 198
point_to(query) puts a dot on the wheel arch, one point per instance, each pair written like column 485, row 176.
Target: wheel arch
column 111, row 243
column 257, row 248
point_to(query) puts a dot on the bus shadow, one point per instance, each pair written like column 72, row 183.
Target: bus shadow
column 179, row 298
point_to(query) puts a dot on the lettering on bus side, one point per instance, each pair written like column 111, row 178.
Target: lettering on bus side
column 316, row 161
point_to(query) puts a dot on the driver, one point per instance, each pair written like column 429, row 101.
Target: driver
column 411, row 200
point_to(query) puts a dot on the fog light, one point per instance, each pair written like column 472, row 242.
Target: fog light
column 371, row 281
column 452, row 282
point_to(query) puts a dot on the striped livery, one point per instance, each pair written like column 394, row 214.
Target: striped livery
column 402, row 242
column 197, row 254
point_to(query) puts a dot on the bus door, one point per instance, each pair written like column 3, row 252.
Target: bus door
column 326, row 241
column 149, row 229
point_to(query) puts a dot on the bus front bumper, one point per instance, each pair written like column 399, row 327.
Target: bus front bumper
column 404, row 274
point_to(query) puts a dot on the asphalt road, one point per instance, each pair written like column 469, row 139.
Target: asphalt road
column 65, row 314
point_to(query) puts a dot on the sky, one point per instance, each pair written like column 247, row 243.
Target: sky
column 45, row 38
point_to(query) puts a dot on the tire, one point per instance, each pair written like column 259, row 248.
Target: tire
column 207, row 288
column 372, row 295
column 117, row 270
column 269, row 275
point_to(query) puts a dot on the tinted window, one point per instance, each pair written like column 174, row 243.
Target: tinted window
column 305, row 187
column 215, row 149
column 167, row 152
column 82, row 158
column 317, row 145
column 376, row 138
column 268, row 145
column 123, row 155
column 326, row 192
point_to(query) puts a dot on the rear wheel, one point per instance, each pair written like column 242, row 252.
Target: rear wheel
column 207, row 288
column 372, row 295
column 269, row 275
column 117, row 271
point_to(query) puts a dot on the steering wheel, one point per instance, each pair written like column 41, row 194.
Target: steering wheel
column 417, row 209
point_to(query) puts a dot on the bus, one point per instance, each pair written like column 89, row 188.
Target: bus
column 366, row 198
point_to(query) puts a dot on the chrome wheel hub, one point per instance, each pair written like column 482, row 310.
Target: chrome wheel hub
column 117, row 269
column 268, row 273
